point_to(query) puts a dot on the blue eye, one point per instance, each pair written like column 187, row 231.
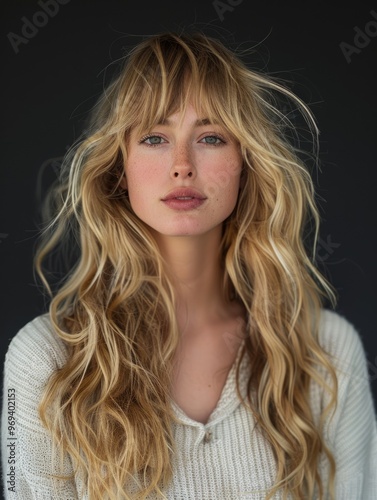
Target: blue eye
column 213, row 140
column 152, row 139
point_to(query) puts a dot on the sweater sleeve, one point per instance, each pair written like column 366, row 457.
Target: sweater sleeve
column 28, row 463
column 352, row 433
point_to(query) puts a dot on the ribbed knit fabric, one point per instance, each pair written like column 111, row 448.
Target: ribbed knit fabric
column 225, row 459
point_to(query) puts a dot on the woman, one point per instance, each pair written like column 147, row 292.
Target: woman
column 188, row 353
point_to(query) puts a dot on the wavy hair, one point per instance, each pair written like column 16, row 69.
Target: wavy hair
column 109, row 407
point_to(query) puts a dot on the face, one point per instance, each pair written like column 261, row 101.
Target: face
column 183, row 180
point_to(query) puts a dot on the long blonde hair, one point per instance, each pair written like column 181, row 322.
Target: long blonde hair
column 109, row 407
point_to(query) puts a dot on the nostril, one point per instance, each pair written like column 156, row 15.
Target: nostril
column 176, row 174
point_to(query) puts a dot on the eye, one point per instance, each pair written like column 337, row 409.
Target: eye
column 214, row 140
column 154, row 140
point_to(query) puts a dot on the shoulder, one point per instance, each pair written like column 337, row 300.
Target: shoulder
column 341, row 340
column 34, row 354
column 334, row 327
column 343, row 343
column 343, row 346
column 351, row 431
column 37, row 345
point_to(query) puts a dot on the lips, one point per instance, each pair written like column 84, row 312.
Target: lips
column 184, row 199
column 184, row 194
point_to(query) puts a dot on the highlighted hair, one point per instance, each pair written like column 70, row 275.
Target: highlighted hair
column 108, row 407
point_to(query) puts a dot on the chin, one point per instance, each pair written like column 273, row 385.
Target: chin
column 187, row 230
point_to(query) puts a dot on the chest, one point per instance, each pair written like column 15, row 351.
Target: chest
column 200, row 375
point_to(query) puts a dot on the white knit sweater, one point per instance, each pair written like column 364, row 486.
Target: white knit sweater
column 225, row 459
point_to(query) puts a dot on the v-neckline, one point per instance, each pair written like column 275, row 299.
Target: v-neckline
column 228, row 400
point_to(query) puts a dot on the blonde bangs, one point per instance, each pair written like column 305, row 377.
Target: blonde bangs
column 168, row 79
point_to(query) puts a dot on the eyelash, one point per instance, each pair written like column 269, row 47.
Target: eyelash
column 217, row 136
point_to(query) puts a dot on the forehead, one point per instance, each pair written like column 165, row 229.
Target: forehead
column 188, row 117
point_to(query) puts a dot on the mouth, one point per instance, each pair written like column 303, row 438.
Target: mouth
column 184, row 199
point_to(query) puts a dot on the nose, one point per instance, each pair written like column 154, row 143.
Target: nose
column 182, row 164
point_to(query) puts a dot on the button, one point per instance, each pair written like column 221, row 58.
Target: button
column 208, row 436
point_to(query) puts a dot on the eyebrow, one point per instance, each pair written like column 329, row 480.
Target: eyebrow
column 198, row 123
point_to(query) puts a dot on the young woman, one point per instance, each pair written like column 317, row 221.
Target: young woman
column 188, row 352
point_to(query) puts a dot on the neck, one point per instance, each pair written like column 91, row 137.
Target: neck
column 194, row 266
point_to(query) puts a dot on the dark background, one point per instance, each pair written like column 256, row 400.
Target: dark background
column 51, row 82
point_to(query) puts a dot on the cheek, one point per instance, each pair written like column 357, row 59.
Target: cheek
column 225, row 179
column 143, row 186
column 140, row 176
